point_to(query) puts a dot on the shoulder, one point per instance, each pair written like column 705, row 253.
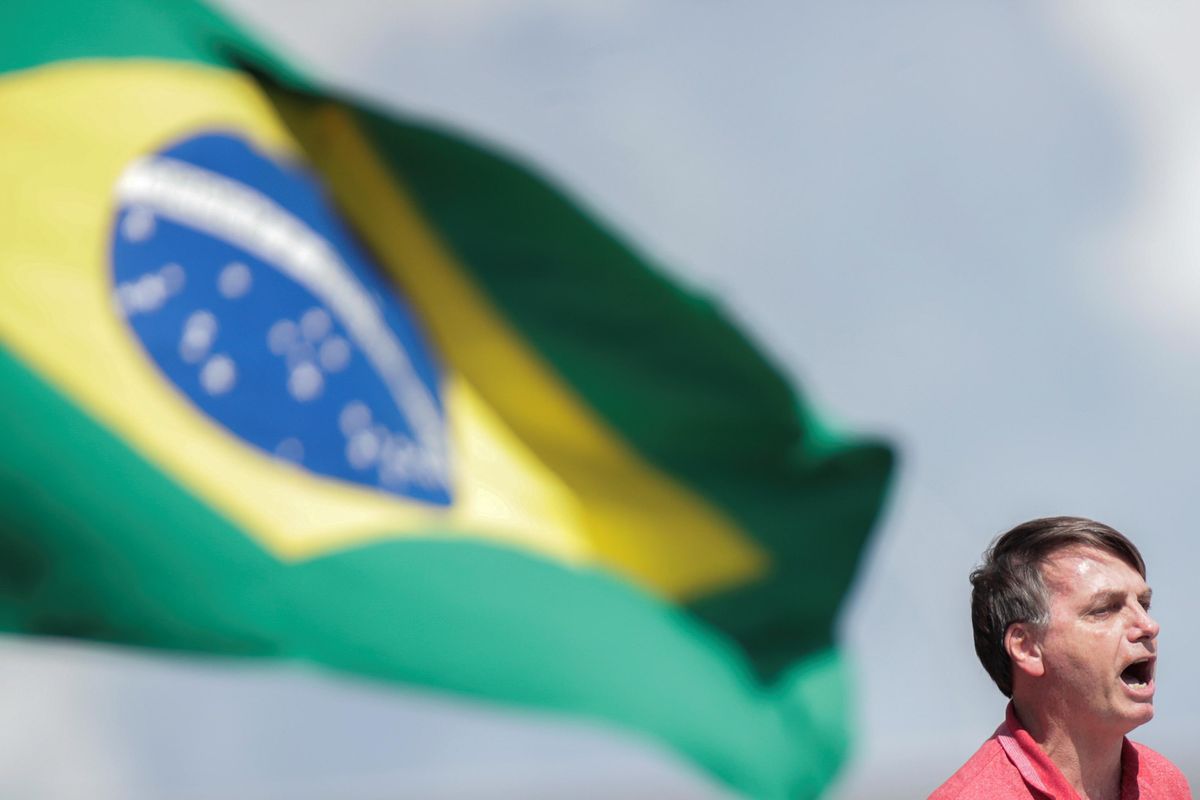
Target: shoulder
column 987, row 775
column 1159, row 775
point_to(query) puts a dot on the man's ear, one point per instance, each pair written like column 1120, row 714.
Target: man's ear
column 1025, row 649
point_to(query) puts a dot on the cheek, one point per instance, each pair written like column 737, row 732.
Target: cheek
column 1083, row 649
column 1098, row 650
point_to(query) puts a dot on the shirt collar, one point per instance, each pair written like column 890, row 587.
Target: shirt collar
column 1039, row 772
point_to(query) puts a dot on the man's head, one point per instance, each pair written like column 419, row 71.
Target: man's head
column 1060, row 605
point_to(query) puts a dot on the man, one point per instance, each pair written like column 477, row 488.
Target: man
column 1061, row 613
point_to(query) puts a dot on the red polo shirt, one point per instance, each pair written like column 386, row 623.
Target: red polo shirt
column 1012, row 765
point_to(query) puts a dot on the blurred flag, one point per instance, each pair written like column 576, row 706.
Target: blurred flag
column 284, row 376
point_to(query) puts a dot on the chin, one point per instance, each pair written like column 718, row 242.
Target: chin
column 1137, row 716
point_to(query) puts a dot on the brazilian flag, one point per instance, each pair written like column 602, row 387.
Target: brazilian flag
column 286, row 376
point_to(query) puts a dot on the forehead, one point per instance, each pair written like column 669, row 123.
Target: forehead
column 1081, row 569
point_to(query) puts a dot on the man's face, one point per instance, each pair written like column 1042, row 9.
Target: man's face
column 1100, row 646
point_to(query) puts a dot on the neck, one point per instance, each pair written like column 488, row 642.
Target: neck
column 1090, row 761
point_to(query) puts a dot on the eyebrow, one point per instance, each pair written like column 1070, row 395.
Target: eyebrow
column 1110, row 595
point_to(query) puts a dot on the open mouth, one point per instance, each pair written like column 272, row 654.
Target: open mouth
column 1139, row 674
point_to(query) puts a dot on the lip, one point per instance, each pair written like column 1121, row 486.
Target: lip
column 1142, row 693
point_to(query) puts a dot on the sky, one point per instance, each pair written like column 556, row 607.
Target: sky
column 967, row 227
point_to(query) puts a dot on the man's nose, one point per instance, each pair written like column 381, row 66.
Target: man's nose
column 1144, row 626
